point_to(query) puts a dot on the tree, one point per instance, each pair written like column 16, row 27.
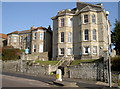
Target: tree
column 116, row 37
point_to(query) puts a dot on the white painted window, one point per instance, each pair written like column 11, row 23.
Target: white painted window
column 69, row 21
column 69, row 51
column 86, row 34
column 61, row 52
column 41, row 48
column 14, row 39
column 34, row 48
column 69, row 37
column 62, row 36
column 34, row 35
column 85, row 18
column 94, row 49
column 41, row 36
column 94, row 34
column 86, row 50
column 93, row 18
column 62, row 22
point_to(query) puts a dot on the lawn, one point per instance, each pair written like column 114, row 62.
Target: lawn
column 76, row 62
column 46, row 62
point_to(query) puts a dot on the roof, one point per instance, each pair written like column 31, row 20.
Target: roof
column 3, row 36
column 81, row 5
column 39, row 28
column 15, row 32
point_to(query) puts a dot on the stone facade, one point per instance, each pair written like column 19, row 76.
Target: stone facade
column 82, row 32
column 37, row 40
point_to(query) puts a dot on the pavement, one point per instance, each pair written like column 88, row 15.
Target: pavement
column 67, row 82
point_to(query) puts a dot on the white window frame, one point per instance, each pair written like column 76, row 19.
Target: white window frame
column 41, row 48
column 62, row 37
column 62, row 22
column 34, row 48
column 69, row 22
column 69, row 51
column 94, row 35
column 34, row 35
column 14, row 39
column 41, row 36
column 94, row 49
column 87, row 50
column 60, row 51
column 69, row 37
column 84, row 20
column 86, row 35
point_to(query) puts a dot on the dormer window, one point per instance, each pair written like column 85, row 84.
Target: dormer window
column 85, row 18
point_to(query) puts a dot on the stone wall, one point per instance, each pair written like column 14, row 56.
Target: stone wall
column 25, row 67
column 90, row 71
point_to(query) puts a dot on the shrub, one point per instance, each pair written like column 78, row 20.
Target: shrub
column 10, row 53
column 115, row 61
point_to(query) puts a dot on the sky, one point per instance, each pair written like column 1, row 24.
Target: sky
column 23, row 15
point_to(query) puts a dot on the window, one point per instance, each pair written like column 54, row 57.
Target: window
column 62, row 36
column 69, row 21
column 69, row 51
column 61, row 51
column 28, row 37
column 14, row 39
column 41, row 48
column 34, row 36
column 93, row 19
column 86, row 50
column 34, row 48
column 94, row 49
column 62, row 22
column 86, row 34
column 85, row 18
column 94, row 34
column 69, row 37
column 41, row 36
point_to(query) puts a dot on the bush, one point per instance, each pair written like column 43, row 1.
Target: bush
column 115, row 61
column 10, row 53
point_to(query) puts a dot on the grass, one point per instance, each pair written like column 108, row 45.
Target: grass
column 46, row 62
column 76, row 62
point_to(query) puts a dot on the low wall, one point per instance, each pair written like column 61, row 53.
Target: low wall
column 23, row 66
column 90, row 71
column 41, row 56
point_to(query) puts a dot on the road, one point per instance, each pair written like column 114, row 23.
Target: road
column 22, row 80
column 12, row 81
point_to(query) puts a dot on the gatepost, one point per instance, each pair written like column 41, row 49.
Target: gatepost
column 58, row 75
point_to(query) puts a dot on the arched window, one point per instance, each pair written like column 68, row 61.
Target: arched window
column 93, row 18
column 94, row 34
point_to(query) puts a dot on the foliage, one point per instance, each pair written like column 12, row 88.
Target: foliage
column 10, row 53
column 116, row 37
column 119, row 83
column 46, row 62
column 115, row 61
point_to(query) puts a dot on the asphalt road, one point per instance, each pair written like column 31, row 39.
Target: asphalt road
column 22, row 80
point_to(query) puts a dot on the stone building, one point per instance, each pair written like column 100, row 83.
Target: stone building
column 82, row 32
column 37, row 40
column 3, row 40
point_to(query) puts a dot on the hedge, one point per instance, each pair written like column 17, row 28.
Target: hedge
column 10, row 53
